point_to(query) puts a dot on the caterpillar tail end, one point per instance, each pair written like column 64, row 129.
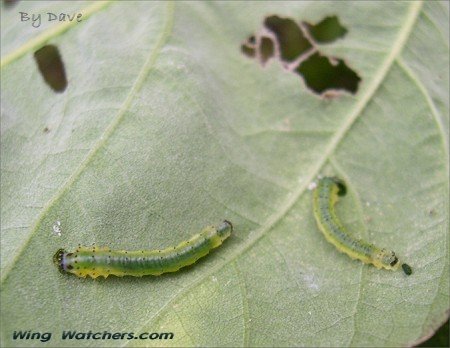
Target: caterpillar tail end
column 407, row 269
column 342, row 188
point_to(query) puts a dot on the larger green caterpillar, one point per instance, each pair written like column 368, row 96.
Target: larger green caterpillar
column 101, row 261
column 325, row 196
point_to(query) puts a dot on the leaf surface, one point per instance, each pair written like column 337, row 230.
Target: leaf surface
column 166, row 127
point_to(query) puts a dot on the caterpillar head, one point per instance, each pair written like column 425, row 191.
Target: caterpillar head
column 58, row 260
column 387, row 259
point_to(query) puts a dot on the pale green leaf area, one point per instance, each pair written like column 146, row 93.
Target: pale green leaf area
column 166, row 127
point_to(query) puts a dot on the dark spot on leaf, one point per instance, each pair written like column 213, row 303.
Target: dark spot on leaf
column 322, row 73
column 290, row 37
column 51, row 67
column 327, row 30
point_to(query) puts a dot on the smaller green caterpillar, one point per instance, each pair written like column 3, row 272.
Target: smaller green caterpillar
column 101, row 261
column 325, row 196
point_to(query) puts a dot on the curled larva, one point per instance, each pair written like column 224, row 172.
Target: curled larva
column 101, row 261
column 325, row 196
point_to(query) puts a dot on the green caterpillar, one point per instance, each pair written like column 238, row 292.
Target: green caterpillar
column 101, row 261
column 325, row 196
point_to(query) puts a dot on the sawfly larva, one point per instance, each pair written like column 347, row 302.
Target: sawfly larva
column 101, row 261
column 325, row 196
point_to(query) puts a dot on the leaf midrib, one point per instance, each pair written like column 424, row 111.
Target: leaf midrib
column 379, row 77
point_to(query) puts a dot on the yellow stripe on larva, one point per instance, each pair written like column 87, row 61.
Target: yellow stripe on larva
column 325, row 196
column 102, row 262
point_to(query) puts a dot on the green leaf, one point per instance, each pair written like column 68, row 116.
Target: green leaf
column 165, row 127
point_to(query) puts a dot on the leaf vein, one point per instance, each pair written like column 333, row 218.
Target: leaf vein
column 167, row 28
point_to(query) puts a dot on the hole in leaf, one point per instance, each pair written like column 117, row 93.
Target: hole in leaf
column 295, row 46
column 327, row 30
column 51, row 67
column 266, row 49
column 291, row 40
column 321, row 74
column 248, row 48
column 248, row 51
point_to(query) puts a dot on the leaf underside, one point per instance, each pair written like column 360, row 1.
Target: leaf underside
column 166, row 127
